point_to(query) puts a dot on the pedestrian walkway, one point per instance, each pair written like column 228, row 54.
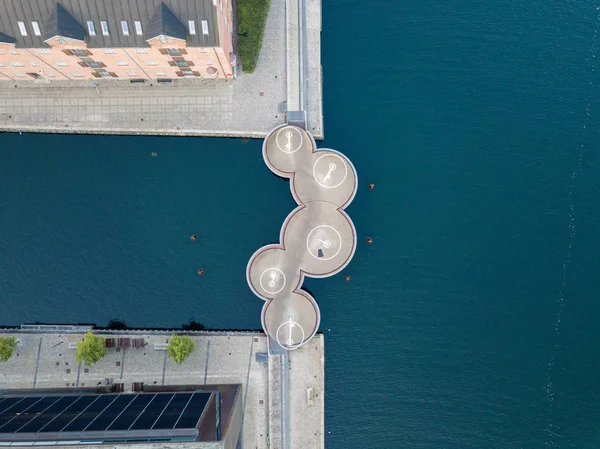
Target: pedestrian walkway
column 294, row 38
column 317, row 239
column 278, row 406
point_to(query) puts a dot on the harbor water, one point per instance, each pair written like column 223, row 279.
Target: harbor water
column 471, row 321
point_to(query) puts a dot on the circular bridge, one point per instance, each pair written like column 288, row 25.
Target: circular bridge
column 317, row 239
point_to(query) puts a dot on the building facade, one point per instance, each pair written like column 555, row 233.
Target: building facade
column 115, row 39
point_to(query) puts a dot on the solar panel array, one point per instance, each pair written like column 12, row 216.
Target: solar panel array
column 108, row 412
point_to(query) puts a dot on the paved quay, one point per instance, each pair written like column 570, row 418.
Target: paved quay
column 303, row 60
column 317, row 239
column 44, row 359
column 249, row 106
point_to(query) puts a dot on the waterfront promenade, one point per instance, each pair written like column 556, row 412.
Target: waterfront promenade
column 46, row 359
column 249, row 106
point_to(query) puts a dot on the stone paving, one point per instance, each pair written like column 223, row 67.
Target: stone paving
column 317, row 239
column 306, row 404
column 314, row 72
column 293, row 52
column 278, row 438
column 46, row 360
column 72, row 107
column 249, row 106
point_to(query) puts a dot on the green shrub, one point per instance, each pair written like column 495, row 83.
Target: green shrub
column 180, row 347
column 7, row 348
column 252, row 16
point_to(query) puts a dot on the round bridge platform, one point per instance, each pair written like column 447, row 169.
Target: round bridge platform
column 317, row 239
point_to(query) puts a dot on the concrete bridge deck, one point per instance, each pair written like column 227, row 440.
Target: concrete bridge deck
column 317, row 239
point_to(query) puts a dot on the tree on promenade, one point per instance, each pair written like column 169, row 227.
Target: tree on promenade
column 90, row 349
column 180, row 347
column 7, row 348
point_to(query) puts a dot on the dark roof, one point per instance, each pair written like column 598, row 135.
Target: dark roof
column 106, row 417
column 6, row 39
column 61, row 23
column 164, row 22
column 113, row 12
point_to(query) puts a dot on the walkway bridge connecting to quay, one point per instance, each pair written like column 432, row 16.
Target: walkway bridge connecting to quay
column 317, row 239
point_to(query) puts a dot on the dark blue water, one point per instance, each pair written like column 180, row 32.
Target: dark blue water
column 470, row 322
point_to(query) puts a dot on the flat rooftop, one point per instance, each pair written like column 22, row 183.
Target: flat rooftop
column 111, row 418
